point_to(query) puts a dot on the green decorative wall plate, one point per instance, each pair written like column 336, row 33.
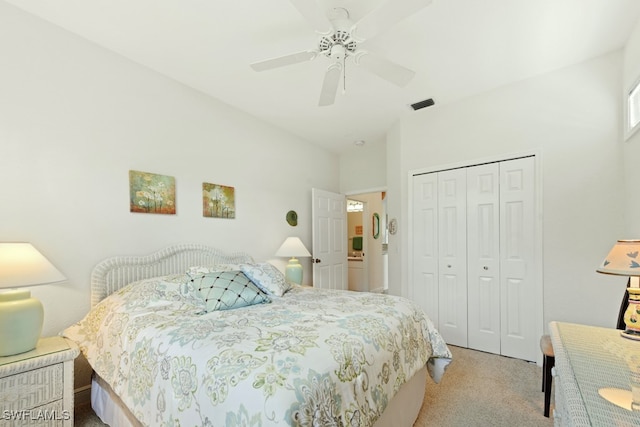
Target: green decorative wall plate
column 292, row 218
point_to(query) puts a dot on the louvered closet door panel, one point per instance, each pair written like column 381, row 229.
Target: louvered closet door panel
column 517, row 259
column 452, row 264
column 483, row 252
column 425, row 244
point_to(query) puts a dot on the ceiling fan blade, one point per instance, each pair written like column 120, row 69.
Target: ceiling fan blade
column 388, row 70
column 282, row 61
column 330, row 84
column 388, row 14
column 313, row 14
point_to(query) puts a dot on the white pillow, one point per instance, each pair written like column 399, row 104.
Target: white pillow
column 266, row 277
column 204, row 269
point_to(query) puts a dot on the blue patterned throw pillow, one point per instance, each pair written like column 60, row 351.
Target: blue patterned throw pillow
column 266, row 277
column 226, row 290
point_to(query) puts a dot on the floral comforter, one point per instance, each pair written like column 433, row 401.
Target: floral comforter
column 311, row 357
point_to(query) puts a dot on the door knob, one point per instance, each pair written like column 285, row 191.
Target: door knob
column 316, row 260
column 485, row 268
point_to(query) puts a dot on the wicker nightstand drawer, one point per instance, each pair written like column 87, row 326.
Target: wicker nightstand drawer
column 48, row 415
column 32, row 388
column 36, row 388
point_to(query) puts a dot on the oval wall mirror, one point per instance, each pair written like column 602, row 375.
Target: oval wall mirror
column 376, row 226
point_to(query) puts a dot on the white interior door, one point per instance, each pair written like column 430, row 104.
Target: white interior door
column 452, row 267
column 517, row 259
column 329, row 229
column 483, row 253
column 424, row 286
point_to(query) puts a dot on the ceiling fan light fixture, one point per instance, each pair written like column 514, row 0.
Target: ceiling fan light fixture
column 338, row 52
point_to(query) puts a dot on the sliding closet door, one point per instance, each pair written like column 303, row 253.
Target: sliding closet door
column 483, row 253
column 425, row 244
column 517, row 259
column 452, row 245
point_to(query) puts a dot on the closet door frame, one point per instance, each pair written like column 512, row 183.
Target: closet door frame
column 537, row 290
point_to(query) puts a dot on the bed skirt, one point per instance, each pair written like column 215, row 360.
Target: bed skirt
column 401, row 412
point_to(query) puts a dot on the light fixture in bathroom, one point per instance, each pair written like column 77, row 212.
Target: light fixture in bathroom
column 354, row 206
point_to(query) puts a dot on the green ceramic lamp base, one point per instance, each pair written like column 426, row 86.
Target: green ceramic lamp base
column 293, row 273
column 21, row 318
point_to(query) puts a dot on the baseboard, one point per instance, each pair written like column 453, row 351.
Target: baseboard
column 82, row 395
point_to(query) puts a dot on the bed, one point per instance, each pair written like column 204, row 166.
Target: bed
column 161, row 355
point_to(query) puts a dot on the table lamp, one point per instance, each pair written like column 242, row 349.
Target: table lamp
column 624, row 260
column 21, row 316
column 293, row 247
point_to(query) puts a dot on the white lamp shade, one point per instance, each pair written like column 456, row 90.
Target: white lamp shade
column 22, row 265
column 292, row 247
column 623, row 259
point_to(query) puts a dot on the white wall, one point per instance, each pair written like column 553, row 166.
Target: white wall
column 572, row 117
column 632, row 147
column 364, row 169
column 74, row 119
column 396, row 205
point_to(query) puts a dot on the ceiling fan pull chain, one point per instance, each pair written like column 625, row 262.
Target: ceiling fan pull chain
column 344, row 74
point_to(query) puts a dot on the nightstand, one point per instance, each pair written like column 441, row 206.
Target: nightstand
column 36, row 387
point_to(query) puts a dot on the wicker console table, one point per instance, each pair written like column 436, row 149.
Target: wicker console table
column 589, row 361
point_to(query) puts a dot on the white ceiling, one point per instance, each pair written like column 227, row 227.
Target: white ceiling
column 458, row 48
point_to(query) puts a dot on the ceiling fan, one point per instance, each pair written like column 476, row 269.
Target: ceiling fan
column 340, row 39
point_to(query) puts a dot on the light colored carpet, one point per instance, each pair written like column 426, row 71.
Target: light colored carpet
column 478, row 389
column 482, row 389
column 85, row 417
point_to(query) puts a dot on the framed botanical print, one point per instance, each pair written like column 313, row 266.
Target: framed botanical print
column 218, row 201
column 152, row 193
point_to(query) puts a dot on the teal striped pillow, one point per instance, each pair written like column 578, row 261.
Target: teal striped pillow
column 226, row 290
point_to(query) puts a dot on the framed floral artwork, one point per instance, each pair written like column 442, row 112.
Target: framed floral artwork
column 218, row 201
column 152, row 193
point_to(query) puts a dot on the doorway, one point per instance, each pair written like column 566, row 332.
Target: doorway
column 331, row 244
column 357, row 240
column 367, row 242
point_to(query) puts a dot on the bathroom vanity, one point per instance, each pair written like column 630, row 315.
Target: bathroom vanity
column 356, row 273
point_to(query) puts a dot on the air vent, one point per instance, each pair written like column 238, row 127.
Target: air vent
column 422, row 104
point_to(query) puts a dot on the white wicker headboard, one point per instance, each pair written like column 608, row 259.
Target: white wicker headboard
column 115, row 273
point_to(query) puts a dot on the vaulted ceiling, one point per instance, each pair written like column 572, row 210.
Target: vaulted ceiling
column 457, row 48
